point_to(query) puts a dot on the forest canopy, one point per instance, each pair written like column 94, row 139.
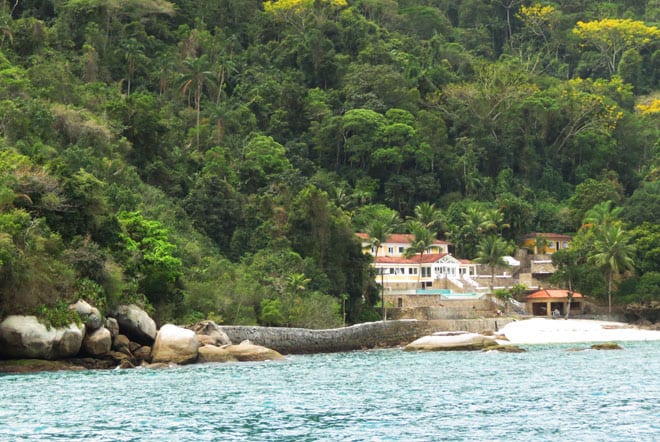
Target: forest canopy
column 213, row 159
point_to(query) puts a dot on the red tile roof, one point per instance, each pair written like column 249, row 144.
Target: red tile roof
column 552, row 293
column 398, row 238
column 534, row 235
column 426, row 259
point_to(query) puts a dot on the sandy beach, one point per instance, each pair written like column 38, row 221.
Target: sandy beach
column 556, row 331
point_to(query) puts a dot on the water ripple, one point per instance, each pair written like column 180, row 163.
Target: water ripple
column 386, row 395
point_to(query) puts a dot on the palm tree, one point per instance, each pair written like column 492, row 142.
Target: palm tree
column 541, row 243
column 423, row 238
column 379, row 230
column 196, row 79
column 601, row 214
column 132, row 51
column 429, row 216
column 491, row 251
column 612, row 253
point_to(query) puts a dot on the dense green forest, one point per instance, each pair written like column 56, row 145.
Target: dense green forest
column 214, row 158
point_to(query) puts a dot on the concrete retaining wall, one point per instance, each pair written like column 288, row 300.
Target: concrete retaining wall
column 355, row 337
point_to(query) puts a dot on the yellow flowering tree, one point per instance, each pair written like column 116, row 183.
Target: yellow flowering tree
column 534, row 44
column 538, row 19
column 296, row 12
column 611, row 37
column 652, row 107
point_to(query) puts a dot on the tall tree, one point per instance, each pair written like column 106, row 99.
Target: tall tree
column 379, row 230
column 491, row 252
column 423, row 238
column 429, row 216
column 613, row 254
column 132, row 51
column 568, row 263
column 196, row 78
column 613, row 36
column 601, row 214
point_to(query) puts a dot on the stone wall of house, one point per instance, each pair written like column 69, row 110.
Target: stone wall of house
column 450, row 306
column 356, row 337
column 450, row 310
column 542, row 267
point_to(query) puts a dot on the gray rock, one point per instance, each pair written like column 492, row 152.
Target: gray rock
column 97, row 343
column 175, row 344
column 91, row 316
column 451, row 341
column 213, row 331
column 26, row 337
column 112, row 325
column 135, row 323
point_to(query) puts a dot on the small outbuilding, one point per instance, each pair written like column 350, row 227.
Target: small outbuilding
column 554, row 302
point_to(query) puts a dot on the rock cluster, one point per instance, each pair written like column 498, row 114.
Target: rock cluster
column 126, row 339
column 446, row 341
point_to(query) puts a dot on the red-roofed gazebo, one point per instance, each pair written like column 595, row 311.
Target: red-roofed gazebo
column 554, row 302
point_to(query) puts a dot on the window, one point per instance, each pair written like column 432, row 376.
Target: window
column 564, row 245
column 401, row 249
column 390, row 250
column 410, row 270
column 374, row 249
column 403, row 271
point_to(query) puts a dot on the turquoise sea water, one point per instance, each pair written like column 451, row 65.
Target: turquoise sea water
column 545, row 394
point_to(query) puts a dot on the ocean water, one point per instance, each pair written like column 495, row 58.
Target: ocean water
column 546, row 394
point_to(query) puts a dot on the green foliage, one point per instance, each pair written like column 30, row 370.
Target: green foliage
column 271, row 312
column 91, row 292
column 197, row 156
column 58, row 315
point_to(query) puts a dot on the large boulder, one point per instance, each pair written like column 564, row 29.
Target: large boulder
column 26, row 337
column 211, row 353
column 214, row 334
column 247, row 351
column 135, row 323
column 112, row 325
column 446, row 341
column 121, row 344
column 97, row 343
column 175, row 344
column 143, row 354
column 90, row 316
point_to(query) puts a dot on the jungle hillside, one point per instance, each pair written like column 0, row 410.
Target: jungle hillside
column 215, row 158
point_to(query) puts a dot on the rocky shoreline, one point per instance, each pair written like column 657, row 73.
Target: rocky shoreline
column 129, row 338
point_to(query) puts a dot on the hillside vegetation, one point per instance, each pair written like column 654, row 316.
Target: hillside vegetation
column 214, row 158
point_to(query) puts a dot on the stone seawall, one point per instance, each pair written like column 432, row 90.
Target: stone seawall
column 355, row 337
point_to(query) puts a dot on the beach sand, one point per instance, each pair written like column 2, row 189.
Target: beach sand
column 556, row 331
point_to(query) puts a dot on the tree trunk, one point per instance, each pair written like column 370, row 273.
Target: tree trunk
column 609, row 294
column 382, row 289
column 419, row 276
column 568, row 307
column 570, row 299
